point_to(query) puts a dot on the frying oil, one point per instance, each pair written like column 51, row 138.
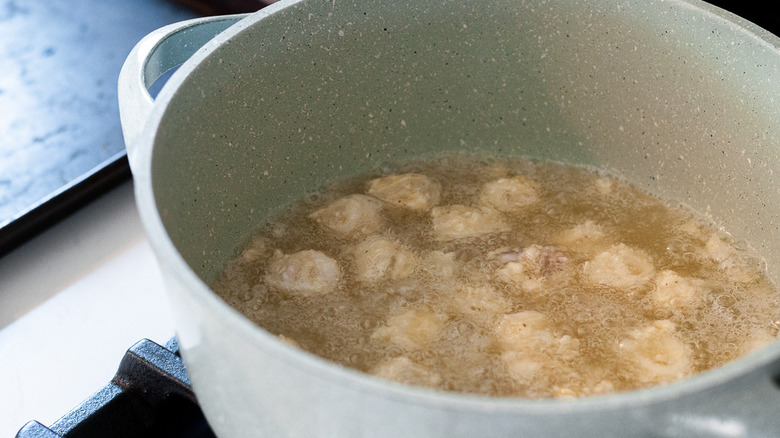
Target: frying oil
column 595, row 286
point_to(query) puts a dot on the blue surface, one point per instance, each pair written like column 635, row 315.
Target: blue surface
column 59, row 64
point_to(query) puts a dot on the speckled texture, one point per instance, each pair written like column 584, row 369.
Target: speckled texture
column 672, row 97
column 322, row 90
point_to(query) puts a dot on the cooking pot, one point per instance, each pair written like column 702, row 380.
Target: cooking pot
column 676, row 96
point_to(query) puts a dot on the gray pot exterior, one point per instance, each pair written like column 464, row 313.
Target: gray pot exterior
column 677, row 97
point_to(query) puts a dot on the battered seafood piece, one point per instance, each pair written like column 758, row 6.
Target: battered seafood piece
column 289, row 340
column 533, row 267
column 410, row 190
column 459, row 221
column 510, row 195
column 305, row 273
column 603, row 185
column 350, row 216
column 377, row 258
column 522, row 330
column 732, row 262
column 402, row 369
column 587, row 238
column 255, row 252
column 675, row 292
column 412, row 329
column 656, row 354
column 694, row 228
column 479, row 301
column 719, row 250
column 619, row 266
column 756, row 339
column 528, row 330
column 530, row 346
column 441, row 265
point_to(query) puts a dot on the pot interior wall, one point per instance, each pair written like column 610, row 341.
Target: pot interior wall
column 677, row 100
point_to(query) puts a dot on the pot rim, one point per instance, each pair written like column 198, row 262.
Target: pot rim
column 326, row 370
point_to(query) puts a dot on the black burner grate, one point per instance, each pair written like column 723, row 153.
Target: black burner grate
column 150, row 396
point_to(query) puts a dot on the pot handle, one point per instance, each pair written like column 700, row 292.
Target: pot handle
column 153, row 56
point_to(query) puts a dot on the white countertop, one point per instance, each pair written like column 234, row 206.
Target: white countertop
column 72, row 301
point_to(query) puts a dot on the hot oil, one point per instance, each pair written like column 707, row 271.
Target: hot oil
column 592, row 331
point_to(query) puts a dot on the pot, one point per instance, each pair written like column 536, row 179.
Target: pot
column 678, row 97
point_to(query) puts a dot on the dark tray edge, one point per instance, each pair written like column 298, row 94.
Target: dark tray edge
column 63, row 202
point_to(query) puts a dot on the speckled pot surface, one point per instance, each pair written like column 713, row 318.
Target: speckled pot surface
column 678, row 97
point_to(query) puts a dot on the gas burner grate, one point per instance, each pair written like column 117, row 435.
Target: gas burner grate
column 150, row 396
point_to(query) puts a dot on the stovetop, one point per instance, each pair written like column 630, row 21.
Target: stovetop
column 72, row 301
column 149, row 397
